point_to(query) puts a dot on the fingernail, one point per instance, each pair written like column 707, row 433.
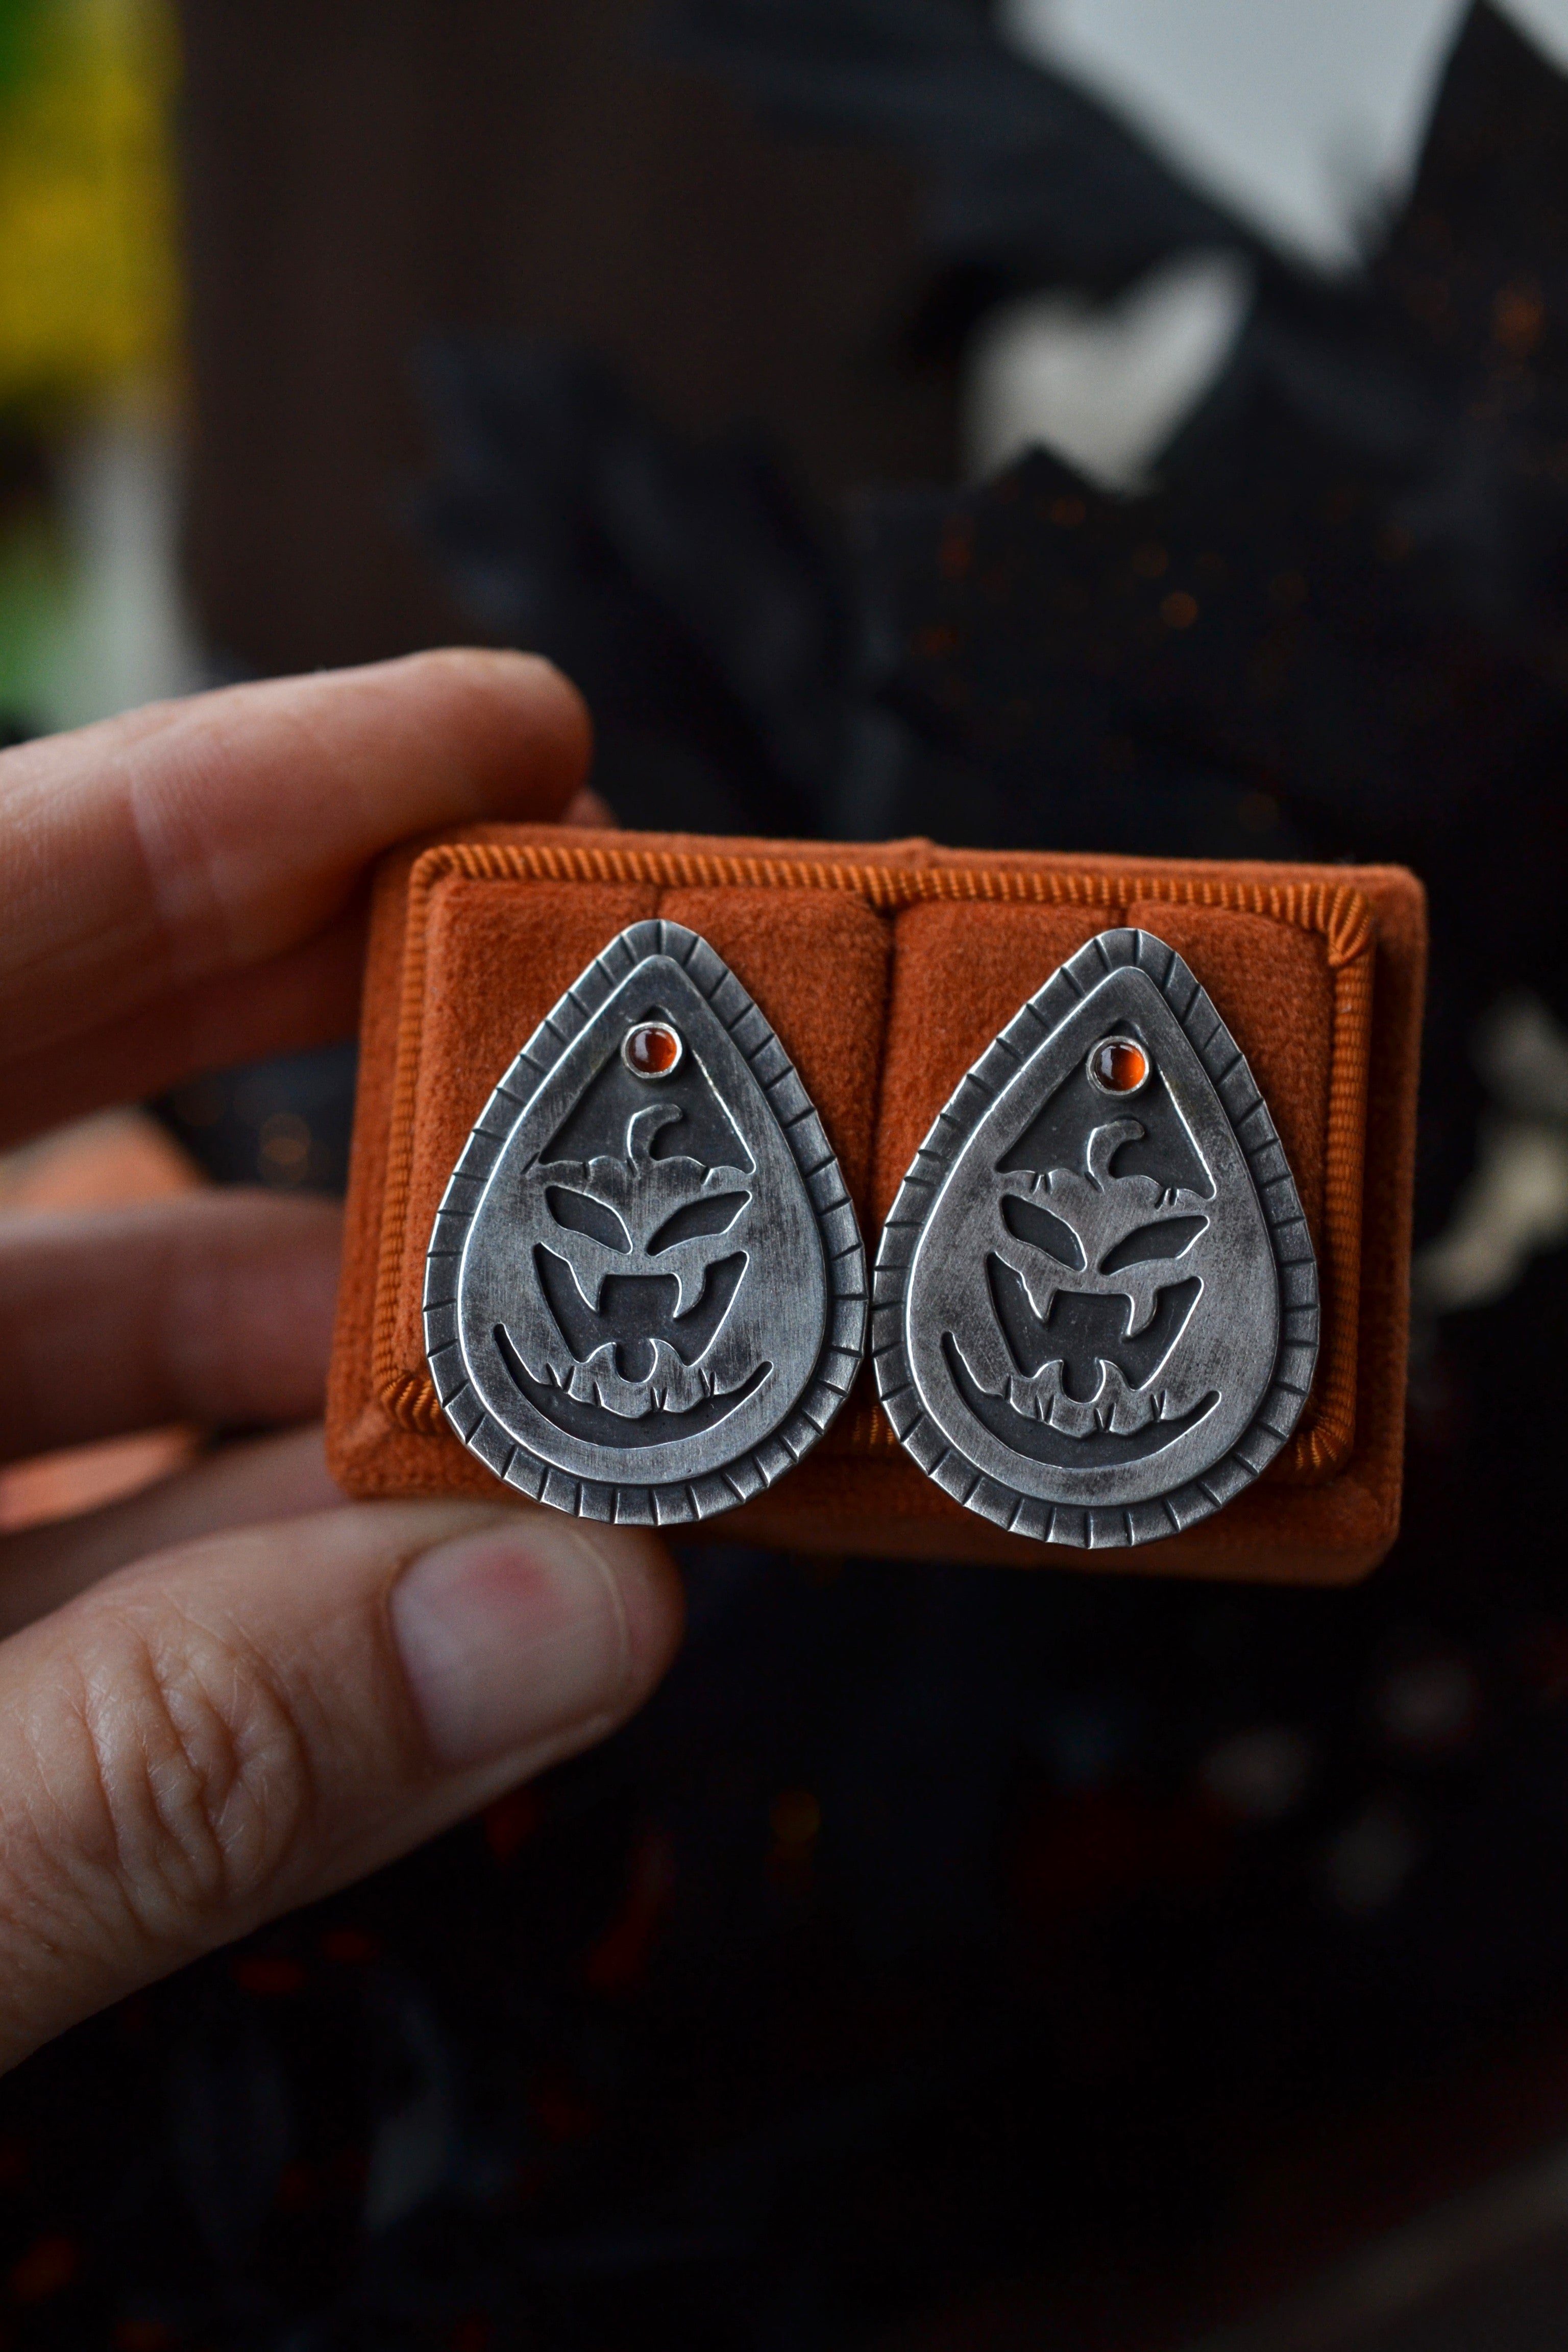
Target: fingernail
column 511, row 1636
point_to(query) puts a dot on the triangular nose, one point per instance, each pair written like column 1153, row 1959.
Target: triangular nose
column 646, row 1292
column 1097, row 1302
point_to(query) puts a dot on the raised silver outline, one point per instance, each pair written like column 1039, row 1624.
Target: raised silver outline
column 678, row 1502
column 1031, row 1030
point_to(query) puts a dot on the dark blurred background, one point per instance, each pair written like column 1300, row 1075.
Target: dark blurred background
column 1121, row 425
column 524, row 170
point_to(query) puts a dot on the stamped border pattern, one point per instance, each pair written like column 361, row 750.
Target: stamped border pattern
column 680, row 1501
column 1339, row 914
column 1102, row 1525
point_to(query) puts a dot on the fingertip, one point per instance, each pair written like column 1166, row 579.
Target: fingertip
column 587, row 807
column 220, row 842
column 529, row 724
column 530, row 1632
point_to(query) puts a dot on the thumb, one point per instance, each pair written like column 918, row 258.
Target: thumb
column 238, row 1727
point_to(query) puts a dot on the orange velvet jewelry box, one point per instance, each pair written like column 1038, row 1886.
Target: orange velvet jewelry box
column 885, row 970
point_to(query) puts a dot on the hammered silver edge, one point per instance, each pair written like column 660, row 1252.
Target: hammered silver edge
column 683, row 1501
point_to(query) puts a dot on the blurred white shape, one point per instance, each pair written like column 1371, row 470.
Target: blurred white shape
column 1105, row 388
column 1521, row 1052
column 1546, row 23
column 1365, row 1865
column 412, row 2152
column 1305, row 117
column 1259, row 1775
column 126, row 638
column 1516, row 1203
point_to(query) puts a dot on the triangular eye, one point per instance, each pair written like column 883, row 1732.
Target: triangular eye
column 579, row 1212
column 1168, row 1237
column 697, row 1218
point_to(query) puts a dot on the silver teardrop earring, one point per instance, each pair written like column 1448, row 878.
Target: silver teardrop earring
column 1096, row 1297
column 646, row 1297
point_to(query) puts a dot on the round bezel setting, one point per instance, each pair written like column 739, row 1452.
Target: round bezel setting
column 1108, row 1086
column 662, row 1036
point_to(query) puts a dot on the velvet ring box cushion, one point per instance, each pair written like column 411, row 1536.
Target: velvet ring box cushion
column 885, row 970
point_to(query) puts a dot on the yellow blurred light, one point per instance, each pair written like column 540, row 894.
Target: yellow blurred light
column 89, row 277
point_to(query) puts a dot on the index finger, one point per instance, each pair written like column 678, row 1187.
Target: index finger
column 185, row 845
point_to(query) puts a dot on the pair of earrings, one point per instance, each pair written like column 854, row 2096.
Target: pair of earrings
column 1095, row 1307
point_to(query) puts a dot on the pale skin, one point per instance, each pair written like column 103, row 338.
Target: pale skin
column 237, row 1692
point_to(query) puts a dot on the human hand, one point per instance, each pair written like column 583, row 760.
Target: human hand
column 234, row 1693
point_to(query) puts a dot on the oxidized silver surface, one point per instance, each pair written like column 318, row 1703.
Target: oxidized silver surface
column 645, row 1296
column 1096, row 1313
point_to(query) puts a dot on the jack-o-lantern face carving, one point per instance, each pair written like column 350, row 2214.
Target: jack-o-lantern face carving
column 1096, row 1324
column 1128, row 1245
column 645, row 1294
column 639, row 1264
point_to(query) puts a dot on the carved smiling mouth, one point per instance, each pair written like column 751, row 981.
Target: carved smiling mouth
column 1038, row 1439
column 636, row 1359
column 1091, row 1284
column 637, row 1311
column 657, row 1423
